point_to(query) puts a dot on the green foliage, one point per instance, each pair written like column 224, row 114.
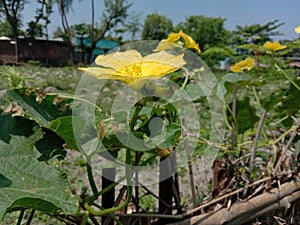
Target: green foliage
column 6, row 30
column 256, row 33
column 246, row 116
column 147, row 203
column 34, row 30
column 51, row 145
column 63, row 127
column 206, row 31
column 12, row 11
column 25, row 182
column 38, row 106
column 15, row 78
column 156, row 27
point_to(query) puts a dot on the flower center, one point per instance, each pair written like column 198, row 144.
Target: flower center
column 132, row 70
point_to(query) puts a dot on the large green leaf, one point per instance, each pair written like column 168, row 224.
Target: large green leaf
column 50, row 145
column 63, row 126
column 236, row 77
column 39, row 106
column 24, row 181
column 246, row 115
column 227, row 81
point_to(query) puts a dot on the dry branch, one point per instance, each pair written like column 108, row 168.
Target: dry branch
column 245, row 211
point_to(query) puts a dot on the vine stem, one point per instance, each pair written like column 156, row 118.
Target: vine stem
column 129, row 191
column 287, row 77
column 113, row 209
column 234, row 124
column 76, row 98
column 84, row 219
column 91, row 179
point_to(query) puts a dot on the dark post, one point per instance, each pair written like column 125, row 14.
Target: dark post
column 108, row 198
column 165, row 190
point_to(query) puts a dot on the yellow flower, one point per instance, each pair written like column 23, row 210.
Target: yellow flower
column 131, row 66
column 297, row 29
column 243, row 66
column 274, row 46
column 175, row 37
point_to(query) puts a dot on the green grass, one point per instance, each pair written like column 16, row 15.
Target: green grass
column 64, row 79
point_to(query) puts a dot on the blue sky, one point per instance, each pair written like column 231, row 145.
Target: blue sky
column 236, row 12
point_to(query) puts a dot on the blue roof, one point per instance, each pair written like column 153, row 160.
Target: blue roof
column 106, row 44
column 101, row 44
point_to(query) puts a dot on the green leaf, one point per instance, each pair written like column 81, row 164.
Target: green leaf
column 63, row 126
column 246, row 115
column 50, row 145
column 297, row 147
column 236, row 77
column 40, row 107
column 194, row 92
column 290, row 101
column 24, row 181
column 169, row 137
column 230, row 78
column 4, row 103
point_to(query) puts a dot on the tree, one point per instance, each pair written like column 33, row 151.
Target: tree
column 114, row 13
column 156, row 27
column 6, row 30
column 63, row 8
column 206, row 31
column 35, row 27
column 12, row 10
column 133, row 25
column 256, row 33
column 34, row 30
column 81, row 31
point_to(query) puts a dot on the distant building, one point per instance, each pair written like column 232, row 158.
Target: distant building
column 52, row 52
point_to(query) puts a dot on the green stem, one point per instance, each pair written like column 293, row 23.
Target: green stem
column 84, row 219
column 186, row 78
column 91, row 179
column 113, row 209
column 129, row 191
column 234, row 129
column 282, row 136
column 134, row 118
column 111, row 215
column 106, row 189
column 223, row 103
column 76, row 98
column 287, row 77
column 256, row 96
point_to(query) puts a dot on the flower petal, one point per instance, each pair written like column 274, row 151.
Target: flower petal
column 274, row 46
column 173, row 37
column 189, row 42
column 102, row 73
column 244, row 65
column 163, row 45
column 161, row 63
column 117, row 60
column 297, row 29
column 128, row 68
